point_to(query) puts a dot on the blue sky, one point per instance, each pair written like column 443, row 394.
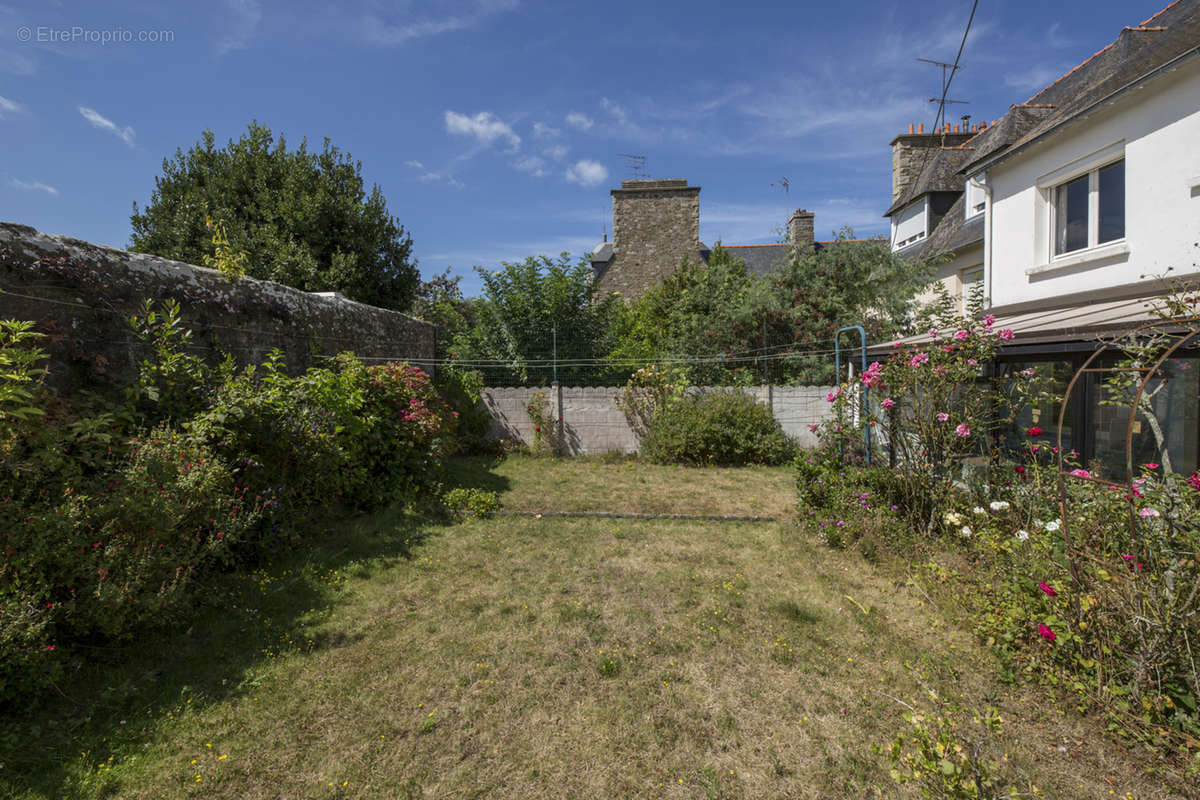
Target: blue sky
column 493, row 127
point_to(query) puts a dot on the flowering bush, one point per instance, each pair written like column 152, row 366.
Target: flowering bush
column 930, row 404
column 1102, row 600
column 100, row 563
column 102, row 531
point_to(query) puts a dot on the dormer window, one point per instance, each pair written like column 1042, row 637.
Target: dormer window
column 910, row 224
column 974, row 199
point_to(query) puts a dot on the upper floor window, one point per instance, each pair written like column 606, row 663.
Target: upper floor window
column 974, row 199
column 908, row 226
column 1090, row 209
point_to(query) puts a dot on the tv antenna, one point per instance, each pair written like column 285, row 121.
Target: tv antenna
column 785, row 184
column 635, row 163
column 948, row 71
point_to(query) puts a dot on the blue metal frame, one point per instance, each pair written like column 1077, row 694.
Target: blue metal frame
column 862, row 352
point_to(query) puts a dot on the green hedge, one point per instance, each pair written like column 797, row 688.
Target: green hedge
column 726, row 428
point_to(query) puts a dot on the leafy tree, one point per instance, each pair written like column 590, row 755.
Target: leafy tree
column 532, row 312
column 300, row 218
column 440, row 301
column 718, row 324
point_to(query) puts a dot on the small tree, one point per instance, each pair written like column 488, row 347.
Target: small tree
column 532, row 312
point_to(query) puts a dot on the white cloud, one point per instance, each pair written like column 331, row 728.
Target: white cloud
column 556, row 152
column 581, row 121
column 33, row 185
column 1034, row 78
column 543, row 131
column 531, row 164
column 615, row 110
column 433, row 176
column 485, row 127
column 103, row 123
column 9, row 106
column 380, row 32
column 245, row 17
column 587, row 173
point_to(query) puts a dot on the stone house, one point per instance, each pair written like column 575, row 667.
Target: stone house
column 656, row 227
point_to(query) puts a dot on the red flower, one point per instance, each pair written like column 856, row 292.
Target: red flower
column 1151, row 465
column 1048, row 589
column 1020, row 470
column 1035, row 431
column 1047, row 634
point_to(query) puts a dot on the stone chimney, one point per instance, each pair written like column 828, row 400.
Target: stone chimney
column 801, row 232
column 656, row 226
column 910, row 151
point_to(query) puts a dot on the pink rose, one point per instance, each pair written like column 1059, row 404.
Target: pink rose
column 989, row 321
column 1006, row 334
column 1081, row 473
column 963, row 430
column 961, row 334
column 887, row 402
column 933, row 333
column 943, row 417
column 1047, row 634
column 1048, row 589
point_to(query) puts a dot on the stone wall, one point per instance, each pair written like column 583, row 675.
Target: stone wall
column 593, row 424
column 82, row 295
column 656, row 225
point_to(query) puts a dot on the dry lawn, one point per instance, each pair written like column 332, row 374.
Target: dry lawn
column 549, row 658
column 583, row 484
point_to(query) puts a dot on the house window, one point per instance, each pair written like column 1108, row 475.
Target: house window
column 974, row 200
column 1090, row 209
column 908, row 226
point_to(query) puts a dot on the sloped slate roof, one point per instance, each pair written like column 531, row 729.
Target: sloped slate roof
column 1019, row 120
column 763, row 259
column 953, row 232
column 1135, row 54
column 760, row 259
column 940, row 174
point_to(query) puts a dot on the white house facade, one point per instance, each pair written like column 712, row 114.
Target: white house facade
column 1071, row 209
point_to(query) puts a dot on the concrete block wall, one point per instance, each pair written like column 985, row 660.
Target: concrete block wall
column 593, row 424
column 82, row 294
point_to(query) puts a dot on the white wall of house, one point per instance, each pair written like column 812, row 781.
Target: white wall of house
column 1156, row 129
column 952, row 273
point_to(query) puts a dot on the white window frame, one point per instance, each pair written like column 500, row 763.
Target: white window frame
column 912, row 239
column 1045, row 232
column 973, row 191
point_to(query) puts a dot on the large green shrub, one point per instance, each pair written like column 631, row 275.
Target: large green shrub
column 725, row 428
column 78, row 565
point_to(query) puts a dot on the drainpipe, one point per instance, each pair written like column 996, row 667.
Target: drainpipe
column 982, row 180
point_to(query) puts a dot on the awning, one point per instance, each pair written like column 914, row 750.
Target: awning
column 1078, row 323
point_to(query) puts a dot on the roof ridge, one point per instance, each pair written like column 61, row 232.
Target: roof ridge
column 1159, row 13
column 1142, row 27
